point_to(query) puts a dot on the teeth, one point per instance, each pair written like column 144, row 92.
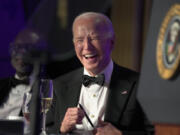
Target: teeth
column 89, row 55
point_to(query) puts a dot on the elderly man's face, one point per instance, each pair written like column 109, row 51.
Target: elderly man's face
column 92, row 45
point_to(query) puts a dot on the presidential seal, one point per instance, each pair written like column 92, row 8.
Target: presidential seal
column 168, row 44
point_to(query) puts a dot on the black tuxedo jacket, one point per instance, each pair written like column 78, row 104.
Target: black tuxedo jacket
column 123, row 110
column 5, row 87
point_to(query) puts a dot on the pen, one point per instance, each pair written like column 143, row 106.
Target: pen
column 86, row 115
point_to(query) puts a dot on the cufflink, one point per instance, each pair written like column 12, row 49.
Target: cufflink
column 124, row 92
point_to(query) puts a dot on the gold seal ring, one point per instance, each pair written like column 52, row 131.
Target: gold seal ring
column 168, row 44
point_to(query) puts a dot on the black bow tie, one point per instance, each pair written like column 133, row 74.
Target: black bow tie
column 16, row 82
column 87, row 80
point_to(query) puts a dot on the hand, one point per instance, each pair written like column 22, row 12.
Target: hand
column 106, row 128
column 72, row 117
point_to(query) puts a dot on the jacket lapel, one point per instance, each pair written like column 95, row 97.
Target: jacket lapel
column 73, row 90
column 119, row 91
column 5, row 87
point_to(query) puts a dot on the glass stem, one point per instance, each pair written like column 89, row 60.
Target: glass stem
column 44, row 122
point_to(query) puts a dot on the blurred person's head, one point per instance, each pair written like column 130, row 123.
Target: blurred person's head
column 25, row 41
column 93, row 37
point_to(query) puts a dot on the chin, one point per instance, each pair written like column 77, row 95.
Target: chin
column 92, row 69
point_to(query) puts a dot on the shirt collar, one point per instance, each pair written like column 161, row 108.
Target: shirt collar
column 107, row 72
column 19, row 78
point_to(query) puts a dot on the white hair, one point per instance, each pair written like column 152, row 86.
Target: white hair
column 99, row 18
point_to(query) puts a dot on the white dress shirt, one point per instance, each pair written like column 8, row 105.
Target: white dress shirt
column 93, row 99
column 12, row 106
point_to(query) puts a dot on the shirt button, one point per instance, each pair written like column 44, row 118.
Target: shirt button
column 94, row 95
column 92, row 116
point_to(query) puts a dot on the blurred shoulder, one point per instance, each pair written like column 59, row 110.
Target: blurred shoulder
column 124, row 72
column 70, row 76
column 5, row 80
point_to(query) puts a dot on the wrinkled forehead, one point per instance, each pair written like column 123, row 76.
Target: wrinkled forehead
column 89, row 26
column 89, row 30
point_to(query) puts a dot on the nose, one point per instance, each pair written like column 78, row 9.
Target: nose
column 87, row 44
column 19, row 59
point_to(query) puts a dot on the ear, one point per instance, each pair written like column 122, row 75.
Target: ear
column 12, row 62
column 112, row 42
column 74, row 43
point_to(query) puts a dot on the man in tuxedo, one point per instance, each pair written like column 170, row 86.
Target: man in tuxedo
column 12, row 88
column 99, row 98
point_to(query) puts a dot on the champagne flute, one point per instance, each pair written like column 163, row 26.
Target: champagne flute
column 26, row 111
column 26, row 105
column 46, row 91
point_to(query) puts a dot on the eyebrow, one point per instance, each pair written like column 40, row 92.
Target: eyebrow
column 78, row 38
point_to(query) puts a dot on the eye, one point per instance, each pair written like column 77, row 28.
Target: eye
column 79, row 42
column 95, row 39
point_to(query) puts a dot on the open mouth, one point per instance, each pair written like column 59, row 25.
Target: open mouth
column 90, row 56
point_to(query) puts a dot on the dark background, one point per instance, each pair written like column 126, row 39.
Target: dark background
column 131, row 23
column 130, row 20
column 159, row 97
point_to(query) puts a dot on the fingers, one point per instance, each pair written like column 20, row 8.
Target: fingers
column 74, row 114
column 100, row 127
column 101, row 123
column 107, row 129
column 72, row 117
